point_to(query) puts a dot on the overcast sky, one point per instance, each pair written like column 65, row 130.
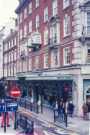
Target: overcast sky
column 7, row 8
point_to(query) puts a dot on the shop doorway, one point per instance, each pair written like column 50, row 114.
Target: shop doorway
column 88, row 95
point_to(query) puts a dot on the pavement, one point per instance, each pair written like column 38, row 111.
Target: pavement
column 9, row 130
column 76, row 125
column 44, row 125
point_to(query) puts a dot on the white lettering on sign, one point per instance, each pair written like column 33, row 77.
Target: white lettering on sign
column 11, row 104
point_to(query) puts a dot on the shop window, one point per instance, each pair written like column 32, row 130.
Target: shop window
column 37, row 21
column 88, row 55
column 88, row 23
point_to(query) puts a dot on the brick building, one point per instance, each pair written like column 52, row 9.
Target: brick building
column 10, row 55
column 53, row 50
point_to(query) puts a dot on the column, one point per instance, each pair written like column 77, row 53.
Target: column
column 80, row 94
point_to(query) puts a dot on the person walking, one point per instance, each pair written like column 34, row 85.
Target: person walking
column 88, row 105
column 70, row 108
column 85, row 111
column 60, row 110
column 3, row 120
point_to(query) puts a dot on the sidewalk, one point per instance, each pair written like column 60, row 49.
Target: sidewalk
column 9, row 130
column 75, row 124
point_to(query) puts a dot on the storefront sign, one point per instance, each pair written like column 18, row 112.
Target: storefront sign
column 11, row 107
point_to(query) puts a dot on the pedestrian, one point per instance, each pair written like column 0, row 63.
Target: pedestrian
column 88, row 105
column 56, row 105
column 3, row 119
column 60, row 110
column 85, row 111
column 70, row 108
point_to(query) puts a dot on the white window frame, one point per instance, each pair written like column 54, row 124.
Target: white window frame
column 20, row 34
column 67, row 26
column 30, row 8
column 30, row 26
column 54, row 7
column 46, row 14
column 20, row 17
column 46, row 38
column 68, row 49
column 55, row 33
column 30, row 64
column 54, row 54
column 88, row 59
column 37, row 21
column 36, row 62
column 25, row 30
column 25, row 13
column 66, row 3
column 37, row 3
column 88, row 33
column 46, row 60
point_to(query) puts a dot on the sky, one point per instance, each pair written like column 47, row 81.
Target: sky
column 7, row 11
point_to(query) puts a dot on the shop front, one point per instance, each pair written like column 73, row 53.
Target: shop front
column 46, row 90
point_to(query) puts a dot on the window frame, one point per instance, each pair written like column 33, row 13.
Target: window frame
column 30, row 8
column 66, row 56
column 54, row 7
column 37, row 3
column 67, row 26
column 37, row 21
column 46, row 14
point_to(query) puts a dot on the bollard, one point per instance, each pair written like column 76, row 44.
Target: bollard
column 65, row 119
column 5, row 122
column 15, row 122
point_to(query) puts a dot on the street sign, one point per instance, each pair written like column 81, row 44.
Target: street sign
column 11, row 107
column 8, row 107
column 2, row 107
column 15, row 92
